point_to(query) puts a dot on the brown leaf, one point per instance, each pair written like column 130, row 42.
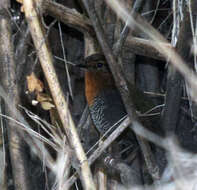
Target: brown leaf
column 45, row 101
column 47, row 105
column 19, row 1
column 42, row 97
column 34, row 84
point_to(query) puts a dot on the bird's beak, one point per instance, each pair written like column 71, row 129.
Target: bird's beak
column 81, row 65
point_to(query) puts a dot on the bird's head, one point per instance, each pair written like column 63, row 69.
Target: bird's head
column 95, row 63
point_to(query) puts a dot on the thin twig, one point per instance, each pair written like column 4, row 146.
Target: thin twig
column 122, row 85
column 74, row 19
column 65, row 61
column 153, row 34
column 175, row 79
column 68, row 16
column 29, row 135
column 123, row 36
column 116, row 133
column 8, row 76
column 46, row 61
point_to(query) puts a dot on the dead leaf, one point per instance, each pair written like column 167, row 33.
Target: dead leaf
column 34, row 84
column 42, row 97
column 45, row 101
column 19, row 1
column 47, row 105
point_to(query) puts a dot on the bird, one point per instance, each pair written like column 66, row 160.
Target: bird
column 107, row 108
column 103, row 98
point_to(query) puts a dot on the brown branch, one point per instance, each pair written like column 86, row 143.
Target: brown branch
column 116, row 133
column 68, row 16
column 101, row 177
column 46, row 61
column 145, row 47
column 74, row 19
column 8, row 74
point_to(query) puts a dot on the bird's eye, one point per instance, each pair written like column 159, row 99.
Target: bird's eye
column 99, row 65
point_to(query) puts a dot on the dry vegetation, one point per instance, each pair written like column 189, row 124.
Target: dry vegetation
column 48, row 140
